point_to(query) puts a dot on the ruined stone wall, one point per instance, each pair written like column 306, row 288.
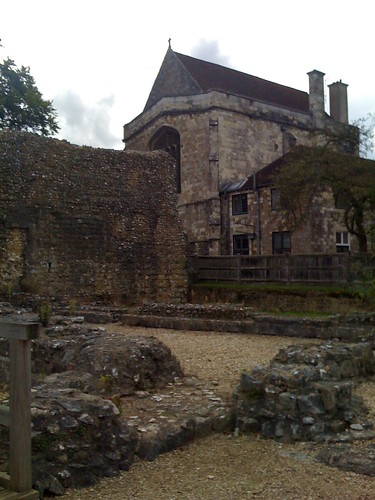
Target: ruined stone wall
column 90, row 223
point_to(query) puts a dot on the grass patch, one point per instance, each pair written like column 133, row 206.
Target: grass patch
column 297, row 289
column 299, row 314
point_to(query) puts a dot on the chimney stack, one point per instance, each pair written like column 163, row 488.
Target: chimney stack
column 338, row 101
column 316, row 98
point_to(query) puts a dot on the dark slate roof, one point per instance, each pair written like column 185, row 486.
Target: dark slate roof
column 266, row 175
column 210, row 76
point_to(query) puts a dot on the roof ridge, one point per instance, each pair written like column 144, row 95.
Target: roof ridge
column 234, row 71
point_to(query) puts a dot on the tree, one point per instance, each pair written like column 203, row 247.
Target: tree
column 22, row 106
column 307, row 173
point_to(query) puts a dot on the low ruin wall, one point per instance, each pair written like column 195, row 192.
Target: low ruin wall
column 89, row 223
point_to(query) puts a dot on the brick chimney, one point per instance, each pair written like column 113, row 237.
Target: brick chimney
column 316, row 98
column 338, row 101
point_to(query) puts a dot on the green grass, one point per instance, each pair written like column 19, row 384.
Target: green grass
column 299, row 314
column 300, row 289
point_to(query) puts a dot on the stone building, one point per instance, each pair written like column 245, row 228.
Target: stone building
column 253, row 224
column 86, row 223
column 221, row 126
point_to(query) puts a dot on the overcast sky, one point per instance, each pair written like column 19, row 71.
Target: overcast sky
column 98, row 60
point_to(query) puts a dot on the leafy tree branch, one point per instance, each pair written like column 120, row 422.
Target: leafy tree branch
column 22, row 106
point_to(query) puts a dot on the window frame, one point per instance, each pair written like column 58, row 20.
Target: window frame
column 244, row 249
column 240, row 204
column 341, row 245
column 284, row 235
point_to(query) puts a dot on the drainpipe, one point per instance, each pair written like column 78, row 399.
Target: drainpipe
column 258, row 213
column 228, row 224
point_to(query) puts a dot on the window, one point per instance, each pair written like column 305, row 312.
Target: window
column 241, row 244
column 342, row 242
column 281, row 242
column 239, row 204
column 275, row 199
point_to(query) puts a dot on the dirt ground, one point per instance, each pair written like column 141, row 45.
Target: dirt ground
column 223, row 466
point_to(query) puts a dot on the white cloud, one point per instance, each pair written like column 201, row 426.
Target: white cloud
column 209, row 50
column 86, row 124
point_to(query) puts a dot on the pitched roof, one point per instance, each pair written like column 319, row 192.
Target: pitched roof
column 210, row 76
column 184, row 75
column 266, row 175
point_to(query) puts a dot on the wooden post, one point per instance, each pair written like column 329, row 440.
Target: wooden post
column 19, row 335
column 288, row 272
column 238, row 267
column 20, row 415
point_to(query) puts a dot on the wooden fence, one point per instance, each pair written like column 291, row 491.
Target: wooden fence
column 288, row 268
column 18, row 415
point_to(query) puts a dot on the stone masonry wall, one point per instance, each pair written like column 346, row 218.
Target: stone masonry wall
column 306, row 394
column 317, row 235
column 198, row 202
column 223, row 138
column 89, row 223
column 249, row 142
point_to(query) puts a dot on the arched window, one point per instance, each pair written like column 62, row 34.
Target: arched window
column 168, row 139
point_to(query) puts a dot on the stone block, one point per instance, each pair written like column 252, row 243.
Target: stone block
column 287, row 401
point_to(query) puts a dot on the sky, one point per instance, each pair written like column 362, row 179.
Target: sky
column 97, row 60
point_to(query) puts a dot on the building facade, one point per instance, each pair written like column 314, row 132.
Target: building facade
column 221, row 126
column 254, row 224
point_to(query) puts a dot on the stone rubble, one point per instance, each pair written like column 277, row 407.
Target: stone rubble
column 306, row 394
column 100, row 400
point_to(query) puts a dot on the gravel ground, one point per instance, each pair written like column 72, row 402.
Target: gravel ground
column 227, row 467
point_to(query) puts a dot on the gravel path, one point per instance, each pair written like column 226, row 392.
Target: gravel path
column 221, row 466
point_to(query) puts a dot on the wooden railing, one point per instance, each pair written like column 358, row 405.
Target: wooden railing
column 18, row 415
column 288, row 268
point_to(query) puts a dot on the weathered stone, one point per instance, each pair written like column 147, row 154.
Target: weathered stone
column 317, row 429
column 287, row 400
column 89, row 206
column 247, row 425
column 254, row 388
column 356, row 427
column 311, row 404
column 268, row 429
column 308, row 420
column 280, row 429
column 301, row 399
column 328, row 393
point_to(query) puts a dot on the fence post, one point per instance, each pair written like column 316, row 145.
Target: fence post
column 348, row 267
column 19, row 335
column 238, row 267
column 287, row 263
column 20, row 415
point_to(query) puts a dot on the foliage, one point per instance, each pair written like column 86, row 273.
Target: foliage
column 44, row 312
column 309, row 172
column 365, row 275
column 22, row 106
column 366, row 127
column 72, row 306
column 357, row 138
